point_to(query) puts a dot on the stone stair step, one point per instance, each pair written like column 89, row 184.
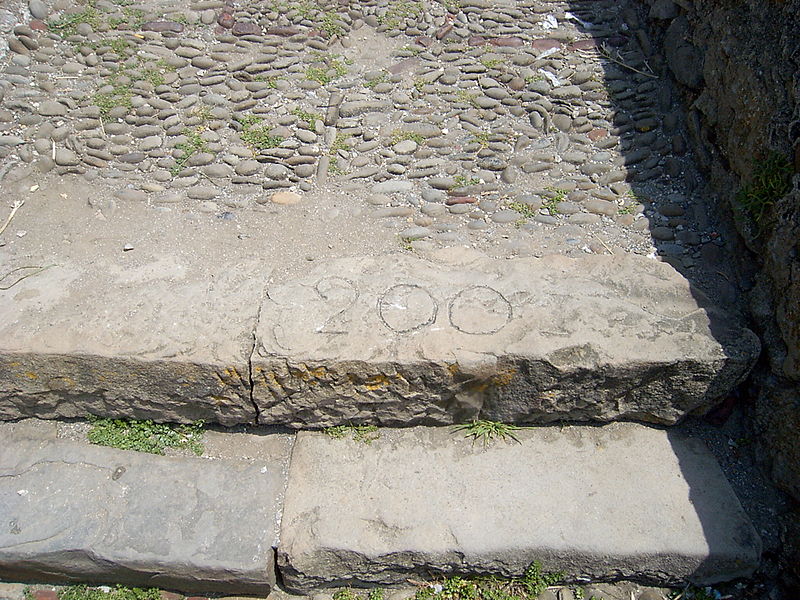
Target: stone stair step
column 603, row 503
column 400, row 340
column 394, row 339
column 77, row 512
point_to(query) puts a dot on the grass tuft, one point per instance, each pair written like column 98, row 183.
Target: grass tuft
column 487, row 431
column 770, row 181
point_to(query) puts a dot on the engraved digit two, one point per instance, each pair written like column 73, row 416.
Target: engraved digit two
column 337, row 293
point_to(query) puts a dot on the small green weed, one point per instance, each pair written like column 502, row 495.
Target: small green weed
column 399, row 10
column 528, row 587
column 257, row 136
column 83, row 592
column 365, row 434
column 339, row 143
column 769, row 182
column 466, row 97
column 330, row 26
column 696, row 593
column 463, row 181
column 406, row 243
column 67, row 25
column 524, row 209
column 481, row 138
column 144, row 436
column 398, row 135
column 334, row 168
column 309, row 117
column 119, row 95
column 331, row 68
column 271, row 81
column 487, row 431
column 413, row 50
column 491, row 63
column 382, row 78
column 551, row 203
column 134, row 17
column 189, row 148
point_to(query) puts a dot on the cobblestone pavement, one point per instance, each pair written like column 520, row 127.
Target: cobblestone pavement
column 516, row 127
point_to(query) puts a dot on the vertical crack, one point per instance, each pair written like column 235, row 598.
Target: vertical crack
column 251, row 378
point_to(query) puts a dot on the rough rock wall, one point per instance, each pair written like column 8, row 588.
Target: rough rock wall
column 738, row 65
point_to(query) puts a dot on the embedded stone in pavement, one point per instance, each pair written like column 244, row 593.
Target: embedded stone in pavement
column 76, row 512
column 405, row 341
column 420, row 502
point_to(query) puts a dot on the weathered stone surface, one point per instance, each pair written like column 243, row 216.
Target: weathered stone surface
column 427, row 501
column 528, row 340
column 162, row 336
column 86, row 513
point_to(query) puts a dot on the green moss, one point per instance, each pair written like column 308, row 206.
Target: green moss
column 82, row 592
column 364, row 434
column 144, row 436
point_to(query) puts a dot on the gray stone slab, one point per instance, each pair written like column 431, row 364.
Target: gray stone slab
column 612, row 502
column 85, row 513
column 161, row 336
column 400, row 340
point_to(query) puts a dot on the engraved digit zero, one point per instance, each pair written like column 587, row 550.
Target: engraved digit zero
column 479, row 310
column 407, row 307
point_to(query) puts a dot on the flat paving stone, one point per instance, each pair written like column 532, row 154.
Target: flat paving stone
column 426, row 501
column 75, row 512
column 410, row 341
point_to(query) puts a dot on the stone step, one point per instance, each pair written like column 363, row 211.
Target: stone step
column 77, row 512
column 619, row 501
column 394, row 340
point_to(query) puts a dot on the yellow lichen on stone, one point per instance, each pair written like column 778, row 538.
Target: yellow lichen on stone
column 30, row 375
column 376, row 382
column 503, row 377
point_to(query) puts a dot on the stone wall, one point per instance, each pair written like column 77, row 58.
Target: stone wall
column 738, row 65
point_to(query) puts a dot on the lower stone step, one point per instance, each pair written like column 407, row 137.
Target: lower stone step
column 599, row 503
column 621, row 501
column 75, row 512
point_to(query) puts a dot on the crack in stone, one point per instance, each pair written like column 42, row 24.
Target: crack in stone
column 250, row 376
